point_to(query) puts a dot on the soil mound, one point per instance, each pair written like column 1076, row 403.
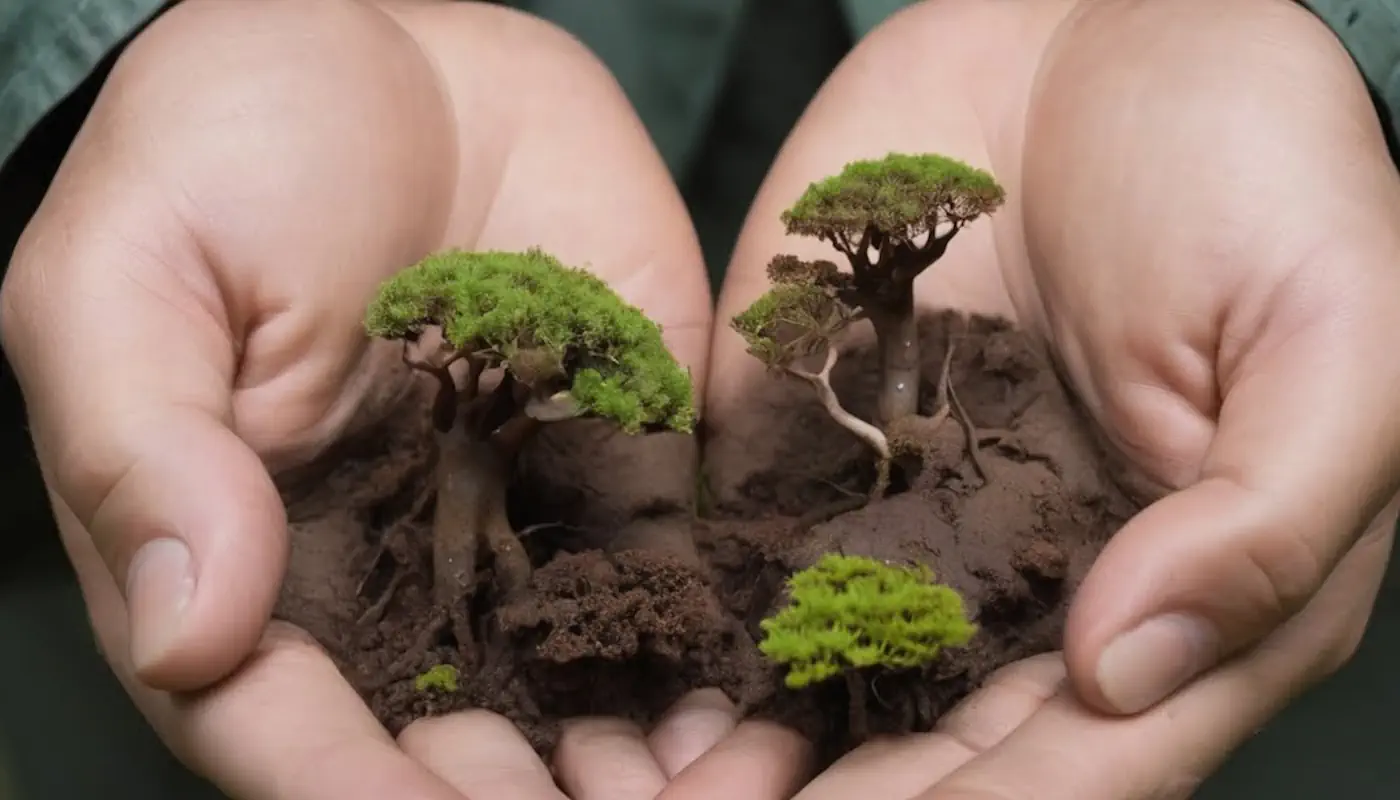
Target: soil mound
column 1008, row 501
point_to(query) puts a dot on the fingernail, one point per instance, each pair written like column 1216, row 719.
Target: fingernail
column 159, row 586
column 1141, row 667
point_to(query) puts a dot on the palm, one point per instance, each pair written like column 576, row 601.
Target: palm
column 1200, row 293
column 215, row 278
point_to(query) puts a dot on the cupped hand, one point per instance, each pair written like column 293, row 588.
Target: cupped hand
column 1200, row 226
column 184, row 316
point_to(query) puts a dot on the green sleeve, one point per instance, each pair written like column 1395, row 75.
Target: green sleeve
column 47, row 48
column 670, row 56
column 864, row 15
column 1370, row 30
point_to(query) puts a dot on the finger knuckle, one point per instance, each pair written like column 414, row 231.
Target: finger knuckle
column 1288, row 567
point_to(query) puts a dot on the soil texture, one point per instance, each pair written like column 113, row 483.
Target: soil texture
column 637, row 598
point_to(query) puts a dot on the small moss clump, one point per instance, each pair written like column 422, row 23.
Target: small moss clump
column 442, row 678
column 849, row 612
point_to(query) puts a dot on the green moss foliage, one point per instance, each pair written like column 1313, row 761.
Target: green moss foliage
column 536, row 316
column 848, row 612
column 899, row 195
column 441, row 678
column 789, row 321
column 800, row 315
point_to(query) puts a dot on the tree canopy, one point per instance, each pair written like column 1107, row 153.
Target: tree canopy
column 900, row 196
column 798, row 316
column 850, row 612
column 810, row 303
column 542, row 319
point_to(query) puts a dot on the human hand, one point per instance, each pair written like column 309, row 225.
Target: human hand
column 699, row 749
column 184, row 315
column 1200, row 227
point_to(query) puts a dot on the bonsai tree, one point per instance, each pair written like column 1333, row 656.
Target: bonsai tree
column 890, row 219
column 562, row 343
column 848, row 613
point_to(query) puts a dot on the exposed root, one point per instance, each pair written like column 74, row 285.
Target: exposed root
column 460, row 618
column 821, row 382
column 511, row 566
column 948, row 397
column 882, row 478
column 986, row 436
column 375, row 612
column 907, row 432
column 393, row 542
column 879, row 698
column 379, row 553
column 970, row 431
column 407, row 665
column 843, row 490
column 945, row 377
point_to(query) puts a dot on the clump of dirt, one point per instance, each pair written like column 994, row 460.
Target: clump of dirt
column 1009, row 504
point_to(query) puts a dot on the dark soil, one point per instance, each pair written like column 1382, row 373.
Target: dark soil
column 625, row 614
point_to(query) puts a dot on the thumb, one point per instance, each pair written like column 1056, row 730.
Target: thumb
column 126, row 363
column 1303, row 458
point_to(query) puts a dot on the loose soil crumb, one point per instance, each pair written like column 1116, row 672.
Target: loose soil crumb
column 624, row 618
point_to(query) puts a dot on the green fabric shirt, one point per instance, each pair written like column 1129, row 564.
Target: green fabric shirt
column 47, row 47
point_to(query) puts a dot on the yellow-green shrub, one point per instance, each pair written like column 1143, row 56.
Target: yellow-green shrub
column 849, row 612
column 442, row 678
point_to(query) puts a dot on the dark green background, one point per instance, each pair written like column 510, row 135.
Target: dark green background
column 67, row 731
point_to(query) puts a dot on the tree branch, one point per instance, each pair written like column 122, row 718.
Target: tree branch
column 510, row 438
column 445, row 402
column 821, row 382
column 497, row 408
column 937, row 244
column 921, row 258
column 476, row 365
column 860, row 258
column 842, row 243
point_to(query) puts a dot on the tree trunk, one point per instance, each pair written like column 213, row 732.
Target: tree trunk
column 470, row 514
column 897, row 332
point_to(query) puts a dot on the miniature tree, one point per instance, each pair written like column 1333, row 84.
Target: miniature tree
column 564, row 345
column 848, row 613
column 891, row 219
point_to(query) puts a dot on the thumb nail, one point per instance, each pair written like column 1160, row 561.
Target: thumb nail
column 1143, row 666
column 159, row 585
